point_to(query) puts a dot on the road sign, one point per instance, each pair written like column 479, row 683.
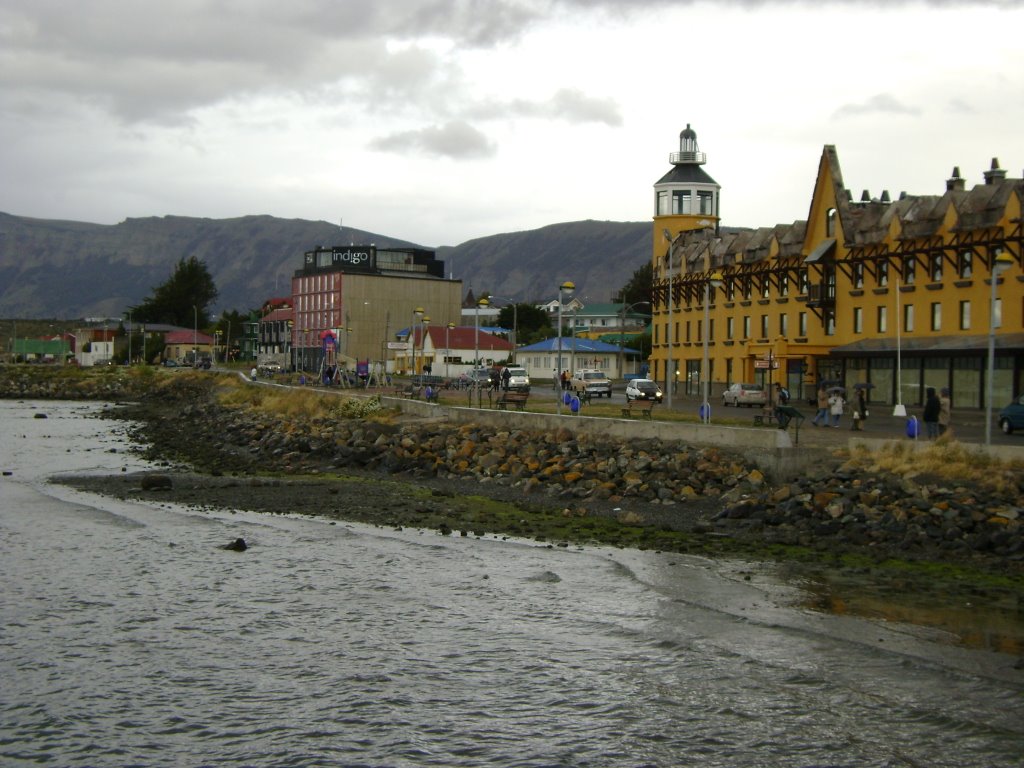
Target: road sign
column 398, row 345
column 773, row 364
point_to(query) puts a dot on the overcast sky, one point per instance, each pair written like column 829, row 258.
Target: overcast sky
column 437, row 121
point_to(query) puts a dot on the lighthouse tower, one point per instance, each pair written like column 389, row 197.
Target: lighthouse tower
column 685, row 198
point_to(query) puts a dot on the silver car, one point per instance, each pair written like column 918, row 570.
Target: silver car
column 745, row 394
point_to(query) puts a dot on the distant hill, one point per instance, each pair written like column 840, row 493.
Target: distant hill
column 66, row 269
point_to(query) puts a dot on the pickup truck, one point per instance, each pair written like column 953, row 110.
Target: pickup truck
column 592, row 381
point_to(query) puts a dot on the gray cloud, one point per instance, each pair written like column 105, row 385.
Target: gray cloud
column 457, row 140
column 880, row 103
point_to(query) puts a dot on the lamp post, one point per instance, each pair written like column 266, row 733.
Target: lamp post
column 1000, row 264
column 622, row 328
column 424, row 324
column 669, row 374
column 515, row 323
column 417, row 314
column 447, row 347
column 566, row 287
column 713, row 281
column 195, row 335
column 476, row 333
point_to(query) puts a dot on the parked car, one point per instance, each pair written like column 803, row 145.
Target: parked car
column 591, row 381
column 643, row 389
column 1012, row 416
column 519, row 379
column 745, row 394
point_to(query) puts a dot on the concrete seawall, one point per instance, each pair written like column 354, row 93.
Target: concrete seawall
column 772, row 450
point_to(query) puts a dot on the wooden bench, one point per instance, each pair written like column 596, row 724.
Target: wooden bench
column 412, row 393
column 642, row 407
column 517, row 399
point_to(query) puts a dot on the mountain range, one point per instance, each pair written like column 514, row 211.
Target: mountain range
column 68, row 269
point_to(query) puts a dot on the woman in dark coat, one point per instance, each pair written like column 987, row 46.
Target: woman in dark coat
column 932, row 407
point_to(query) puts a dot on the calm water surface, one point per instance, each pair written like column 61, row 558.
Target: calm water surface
column 127, row 637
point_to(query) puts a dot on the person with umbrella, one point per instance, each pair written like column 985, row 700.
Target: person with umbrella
column 836, row 404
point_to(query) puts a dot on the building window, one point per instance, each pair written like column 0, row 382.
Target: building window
column 766, row 285
column 858, row 275
column 730, row 291
column 858, row 320
column 706, row 201
column 883, row 320
column 830, row 323
column 908, row 318
column 965, row 266
column 729, row 327
column 746, row 288
column 688, row 331
column 830, row 222
column 909, row 270
column 783, row 325
column 804, row 282
column 965, row 315
column 764, row 326
column 746, row 326
column 711, row 329
column 883, row 274
column 784, row 285
column 935, row 268
column 682, row 202
column 662, row 204
column 936, row 316
column 802, row 325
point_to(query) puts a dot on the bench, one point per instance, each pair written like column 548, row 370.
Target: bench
column 410, row 392
column 767, row 415
column 517, row 399
column 642, row 407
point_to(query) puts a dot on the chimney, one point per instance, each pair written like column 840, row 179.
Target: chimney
column 955, row 181
column 885, row 196
column 995, row 174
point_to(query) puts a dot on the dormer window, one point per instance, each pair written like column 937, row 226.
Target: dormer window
column 830, row 222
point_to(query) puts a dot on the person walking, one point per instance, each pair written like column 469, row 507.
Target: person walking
column 860, row 411
column 945, row 411
column 930, row 417
column 836, row 404
column 822, row 413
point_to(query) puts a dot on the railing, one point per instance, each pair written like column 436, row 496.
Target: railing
column 677, row 158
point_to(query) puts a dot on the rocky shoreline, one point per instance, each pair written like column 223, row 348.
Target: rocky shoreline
column 559, row 487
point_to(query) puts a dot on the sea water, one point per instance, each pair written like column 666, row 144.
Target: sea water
column 128, row 636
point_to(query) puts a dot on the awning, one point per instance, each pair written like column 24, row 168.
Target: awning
column 823, row 249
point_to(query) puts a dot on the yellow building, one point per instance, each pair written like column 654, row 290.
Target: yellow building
column 895, row 294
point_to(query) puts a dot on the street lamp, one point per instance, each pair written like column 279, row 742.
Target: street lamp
column 622, row 329
column 476, row 341
column 447, row 347
column 713, row 281
column 566, row 287
column 515, row 323
column 669, row 376
column 1000, row 264
column 417, row 314
column 423, row 345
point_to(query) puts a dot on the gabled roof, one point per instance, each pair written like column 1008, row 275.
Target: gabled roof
column 464, row 337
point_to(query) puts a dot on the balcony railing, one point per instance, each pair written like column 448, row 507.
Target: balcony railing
column 678, row 158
